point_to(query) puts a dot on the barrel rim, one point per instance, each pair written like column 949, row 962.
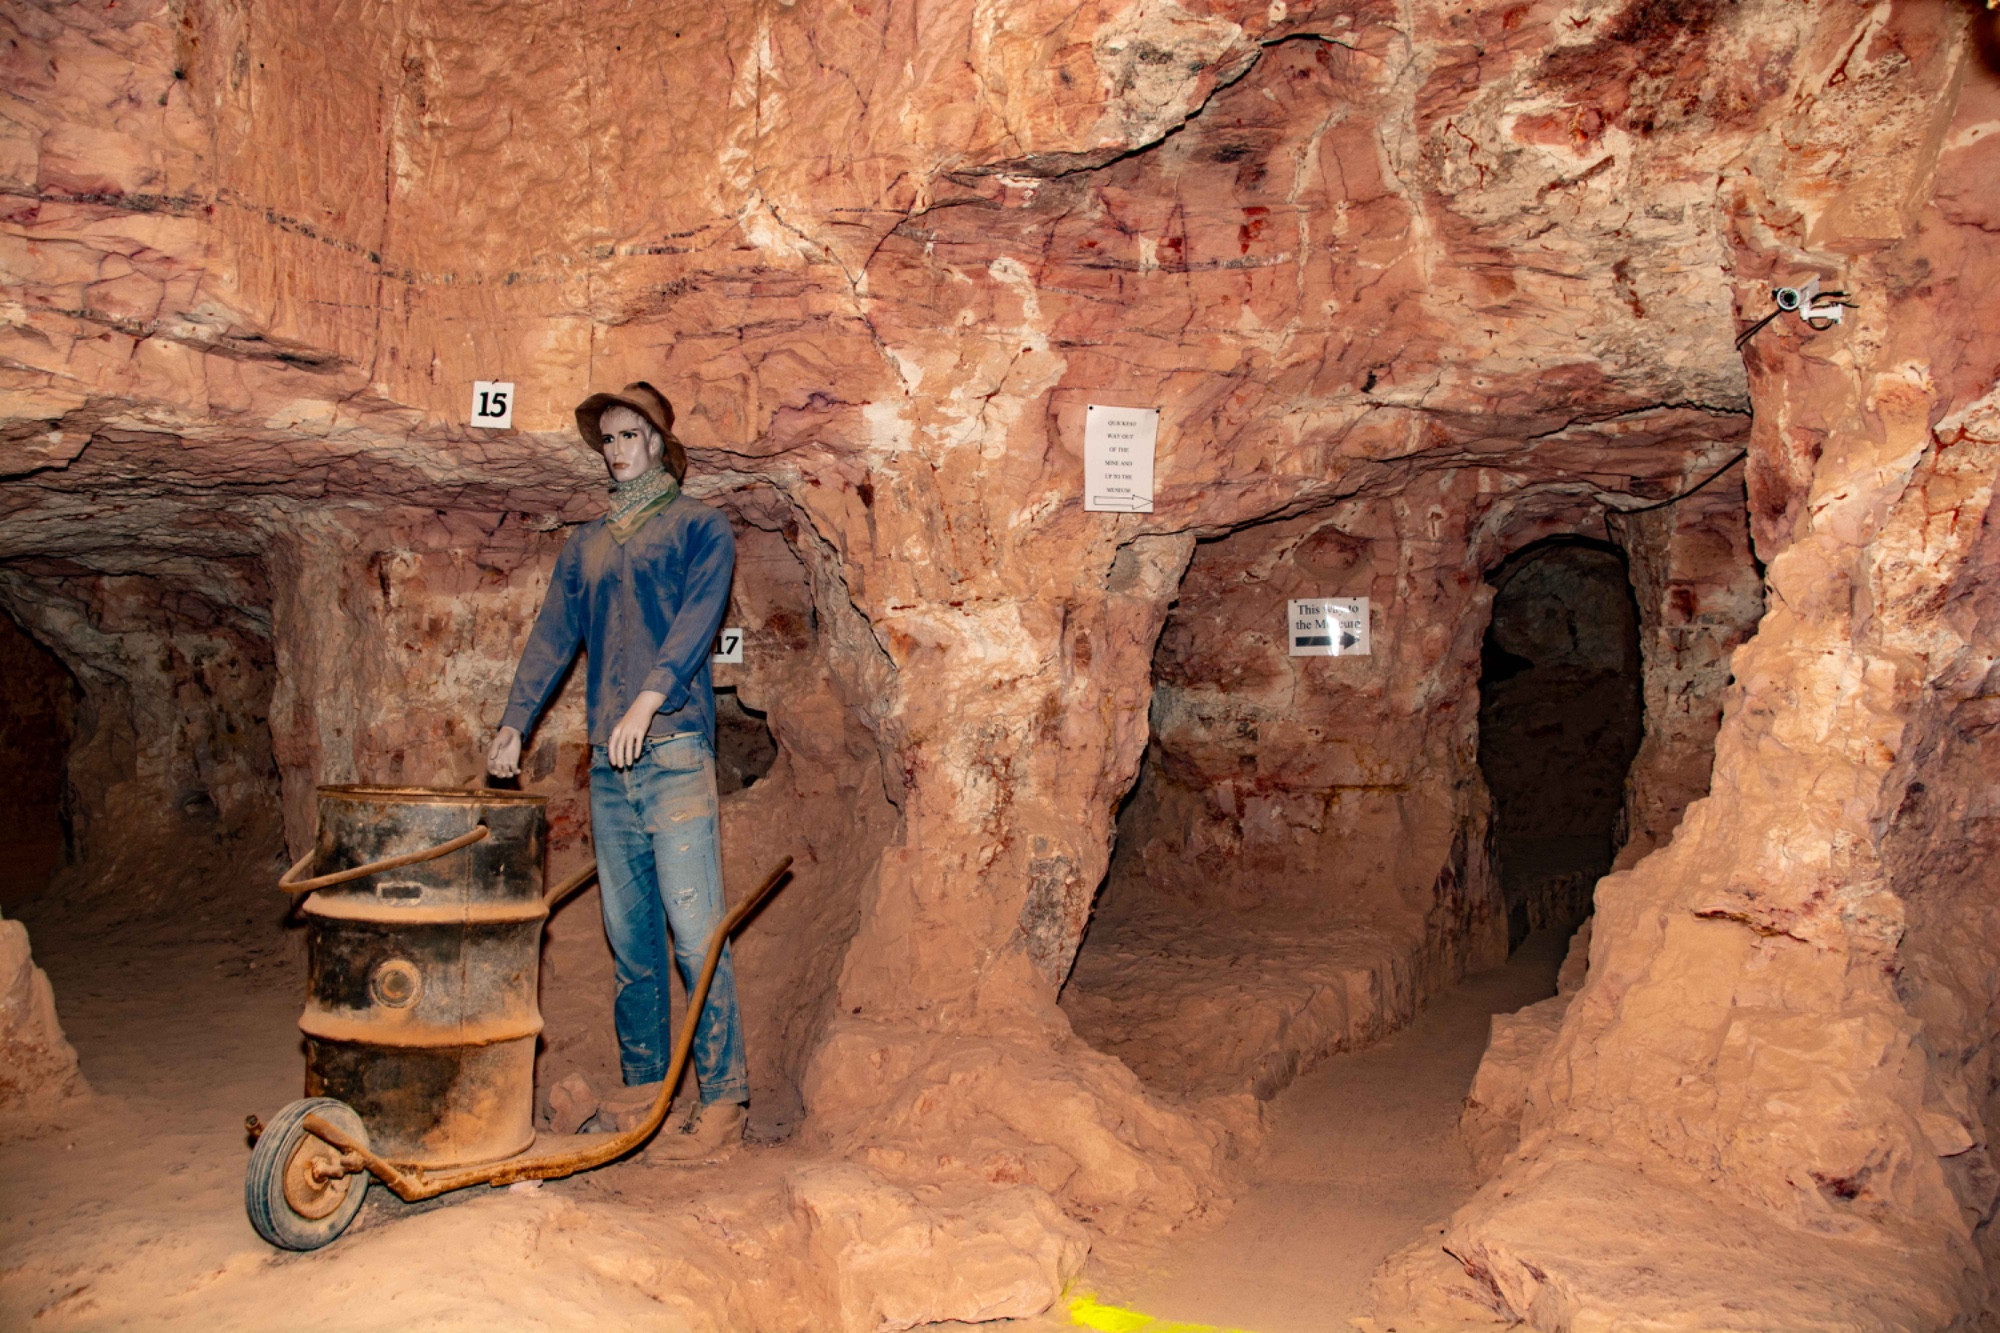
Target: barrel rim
column 365, row 907
column 375, row 1029
column 361, row 791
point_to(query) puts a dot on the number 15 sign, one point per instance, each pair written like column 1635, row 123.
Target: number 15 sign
column 493, row 404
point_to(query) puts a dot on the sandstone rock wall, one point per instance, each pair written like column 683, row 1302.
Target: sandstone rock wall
column 1700, row 595
column 1303, row 858
column 1936, row 850
column 38, row 1070
column 883, row 257
column 1331, row 787
column 1769, row 1013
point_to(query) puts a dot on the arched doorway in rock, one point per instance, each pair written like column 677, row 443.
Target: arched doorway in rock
column 1295, row 868
column 1306, row 855
column 38, row 702
column 1560, row 720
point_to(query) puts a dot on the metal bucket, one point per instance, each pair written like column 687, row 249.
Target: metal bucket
column 421, row 1006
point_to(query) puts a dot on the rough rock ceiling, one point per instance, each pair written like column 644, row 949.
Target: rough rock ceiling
column 269, row 249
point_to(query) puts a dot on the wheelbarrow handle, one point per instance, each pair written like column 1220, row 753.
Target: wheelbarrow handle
column 289, row 884
column 569, row 886
column 412, row 1183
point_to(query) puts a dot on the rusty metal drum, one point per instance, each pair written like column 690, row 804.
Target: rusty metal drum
column 421, row 1008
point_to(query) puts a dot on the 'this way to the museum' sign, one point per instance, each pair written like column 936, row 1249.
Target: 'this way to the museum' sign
column 1328, row 627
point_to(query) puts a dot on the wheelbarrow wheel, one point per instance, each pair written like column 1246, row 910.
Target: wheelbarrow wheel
column 297, row 1194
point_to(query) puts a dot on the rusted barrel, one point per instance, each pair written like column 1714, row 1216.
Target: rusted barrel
column 421, row 1011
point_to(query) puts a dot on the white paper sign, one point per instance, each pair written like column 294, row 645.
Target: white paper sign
column 1328, row 627
column 728, row 648
column 1118, row 458
column 493, row 404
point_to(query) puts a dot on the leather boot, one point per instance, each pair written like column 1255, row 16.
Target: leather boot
column 711, row 1133
column 624, row 1108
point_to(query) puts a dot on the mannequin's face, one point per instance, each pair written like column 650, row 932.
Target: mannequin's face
column 630, row 443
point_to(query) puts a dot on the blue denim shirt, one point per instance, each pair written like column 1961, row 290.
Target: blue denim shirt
column 645, row 610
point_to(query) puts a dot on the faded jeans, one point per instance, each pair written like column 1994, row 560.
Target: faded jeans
column 659, row 870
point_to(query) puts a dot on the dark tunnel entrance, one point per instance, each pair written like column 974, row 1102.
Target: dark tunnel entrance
column 745, row 749
column 1560, row 719
column 38, row 701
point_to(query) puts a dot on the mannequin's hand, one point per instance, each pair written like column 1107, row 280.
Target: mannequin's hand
column 628, row 738
column 503, row 757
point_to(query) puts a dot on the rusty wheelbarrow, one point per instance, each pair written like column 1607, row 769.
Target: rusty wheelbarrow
column 423, row 941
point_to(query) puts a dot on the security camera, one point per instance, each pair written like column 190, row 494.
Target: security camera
column 1796, row 298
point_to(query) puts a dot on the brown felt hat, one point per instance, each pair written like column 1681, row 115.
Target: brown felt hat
column 649, row 403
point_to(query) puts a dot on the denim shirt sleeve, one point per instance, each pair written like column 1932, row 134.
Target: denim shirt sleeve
column 551, row 644
column 711, row 558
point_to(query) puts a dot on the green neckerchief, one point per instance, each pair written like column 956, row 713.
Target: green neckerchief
column 635, row 501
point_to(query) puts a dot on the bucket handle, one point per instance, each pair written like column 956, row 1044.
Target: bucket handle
column 291, row 885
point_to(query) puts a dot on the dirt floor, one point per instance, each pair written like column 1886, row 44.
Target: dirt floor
column 1362, row 1157
column 129, row 1214
column 1147, row 979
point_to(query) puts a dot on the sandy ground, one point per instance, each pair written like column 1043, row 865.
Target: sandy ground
column 129, row 1214
column 1362, row 1157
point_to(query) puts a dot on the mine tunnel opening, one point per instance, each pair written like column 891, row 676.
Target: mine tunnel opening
column 1293, row 870
column 745, row 747
column 37, row 725
column 1167, row 901
column 143, row 702
column 1561, row 718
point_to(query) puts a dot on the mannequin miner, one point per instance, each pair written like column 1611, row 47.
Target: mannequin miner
column 643, row 590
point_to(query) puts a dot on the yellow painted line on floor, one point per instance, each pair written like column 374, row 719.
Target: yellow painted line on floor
column 1087, row 1312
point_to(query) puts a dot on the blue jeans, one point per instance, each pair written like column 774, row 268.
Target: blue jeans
column 659, row 870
